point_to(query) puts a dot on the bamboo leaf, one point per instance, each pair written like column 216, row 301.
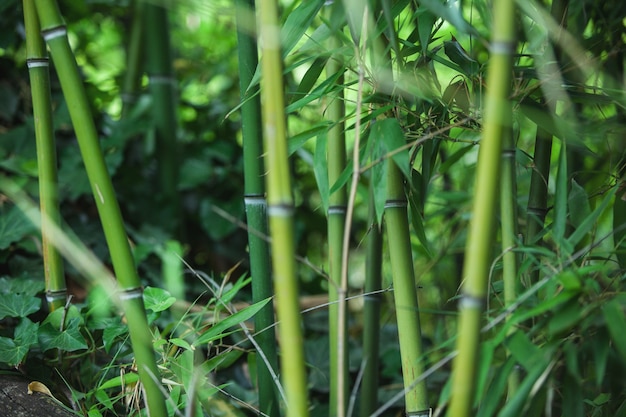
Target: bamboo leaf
column 216, row 331
column 311, row 76
column 454, row 158
column 390, row 134
column 589, row 222
column 616, row 323
column 619, row 225
column 522, row 349
column 600, row 345
column 297, row 141
column 515, row 405
column 425, row 22
column 560, row 203
column 578, row 202
column 492, row 400
column 298, row 21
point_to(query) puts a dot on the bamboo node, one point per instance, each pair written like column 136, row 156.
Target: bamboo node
column 400, row 203
column 37, row 62
column 52, row 296
column 502, row 47
column 55, row 32
column 336, row 210
column 254, row 200
column 280, row 210
column 423, row 413
column 130, row 293
column 472, row 302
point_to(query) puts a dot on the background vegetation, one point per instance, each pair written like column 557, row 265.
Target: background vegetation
column 409, row 83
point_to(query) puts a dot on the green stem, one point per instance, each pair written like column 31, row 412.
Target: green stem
column 55, row 34
column 280, row 210
column 508, row 214
column 479, row 243
column 39, row 74
column 256, row 207
column 371, row 313
column 337, row 308
column 162, row 89
column 134, row 58
column 405, row 293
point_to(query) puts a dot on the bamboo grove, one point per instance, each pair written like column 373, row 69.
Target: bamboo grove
column 444, row 179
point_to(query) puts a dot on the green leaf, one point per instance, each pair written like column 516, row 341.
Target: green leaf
column 21, row 285
column 311, row 76
column 57, row 316
column 522, row 349
column 616, row 322
column 125, row 379
column 578, row 202
column 14, row 226
column 297, row 141
column 565, row 318
column 391, row 135
column 560, row 203
column 589, row 222
column 69, row 340
column 18, row 305
column 13, row 351
column 600, row 345
column 524, row 393
column 216, row 331
column 297, row 23
column 492, row 400
column 157, row 299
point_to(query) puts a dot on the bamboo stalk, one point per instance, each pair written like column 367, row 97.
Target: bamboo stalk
column 134, row 58
column 336, row 162
column 405, row 293
column 256, row 206
column 479, row 243
column 280, row 210
column 55, row 34
column 371, row 313
column 163, row 91
column 508, row 215
column 38, row 64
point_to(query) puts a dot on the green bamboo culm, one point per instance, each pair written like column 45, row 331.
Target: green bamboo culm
column 162, row 85
column 508, row 215
column 538, row 195
column 38, row 64
column 497, row 117
column 405, row 293
column 371, row 313
column 131, row 86
column 256, row 208
column 337, row 308
column 280, row 210
column 55, row 34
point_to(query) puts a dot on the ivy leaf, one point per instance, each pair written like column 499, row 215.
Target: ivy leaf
column 157, row 299
column 13, row 351
column 69, row 340
column 18, row 305
column 13, row 226
column 21, row 285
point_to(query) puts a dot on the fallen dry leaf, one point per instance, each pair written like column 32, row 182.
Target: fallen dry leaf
column 37, row 386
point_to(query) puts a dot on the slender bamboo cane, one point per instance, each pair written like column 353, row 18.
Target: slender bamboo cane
column 256, row 206
column 37, row 61
column 55, row 34
column 538, row 194
column 337, row 309
column 162, row 89
column 405, row 294
column 477, row 253
column 371, row 313
column 508, row 214
column 280, row 210
column 134, row 58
